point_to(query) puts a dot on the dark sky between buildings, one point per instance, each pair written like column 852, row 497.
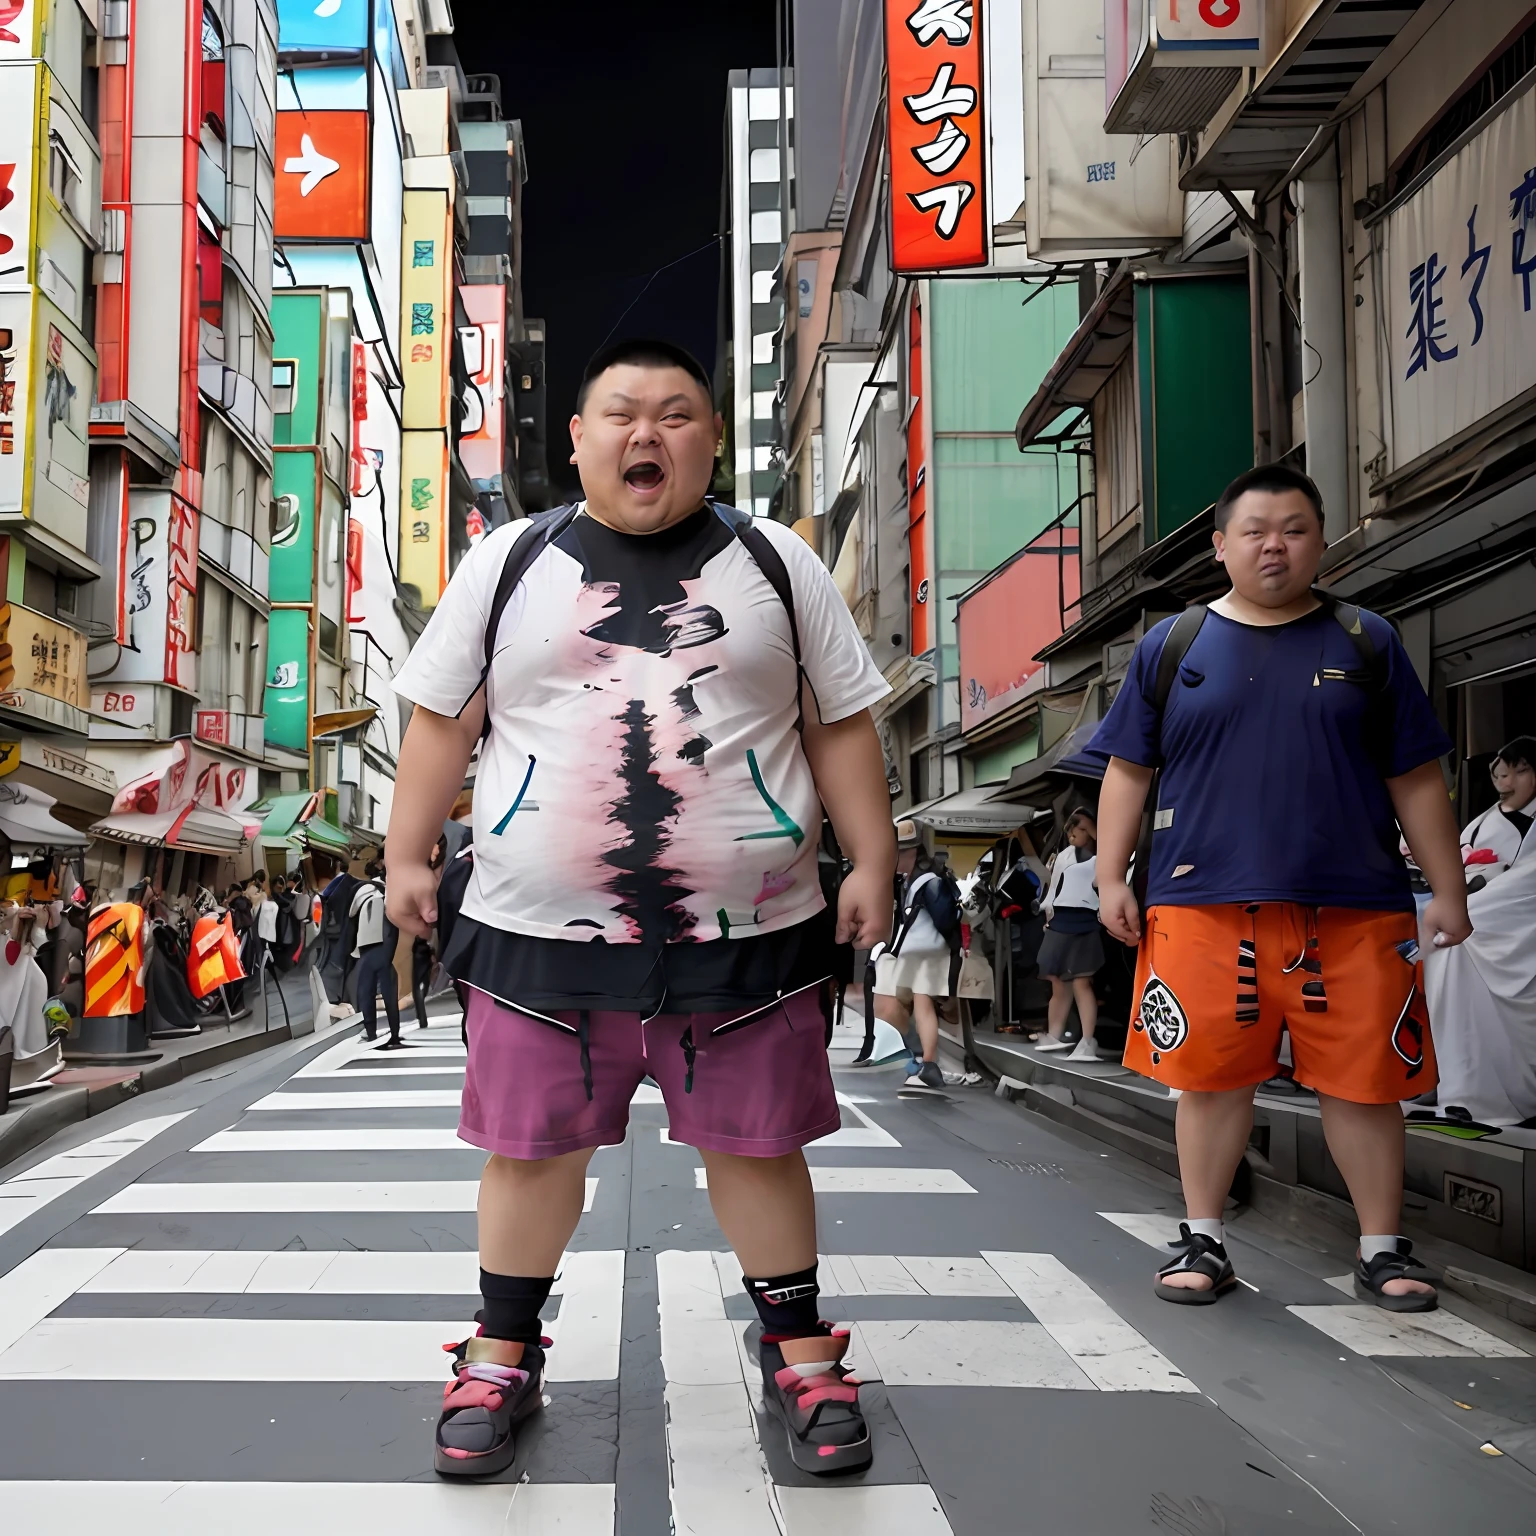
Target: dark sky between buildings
column 623, row 112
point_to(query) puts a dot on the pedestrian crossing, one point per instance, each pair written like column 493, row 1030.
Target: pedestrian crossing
column 163, row 1290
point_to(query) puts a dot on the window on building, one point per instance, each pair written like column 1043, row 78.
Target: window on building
column 283, row 377
column 210, row 278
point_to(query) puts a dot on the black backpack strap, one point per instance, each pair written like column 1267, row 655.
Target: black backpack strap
column 771, row 563
column 1176, row 646
column 543, row 529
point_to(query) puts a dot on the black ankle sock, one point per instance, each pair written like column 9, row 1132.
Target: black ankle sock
column 787, row 1304
column 512, row 1306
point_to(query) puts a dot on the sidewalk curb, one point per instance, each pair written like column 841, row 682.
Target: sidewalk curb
column 30, row 1125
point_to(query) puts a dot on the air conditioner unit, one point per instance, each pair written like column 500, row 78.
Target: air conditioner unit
column 1169, row 64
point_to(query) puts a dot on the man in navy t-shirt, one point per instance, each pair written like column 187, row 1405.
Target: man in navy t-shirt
column 1293, row 756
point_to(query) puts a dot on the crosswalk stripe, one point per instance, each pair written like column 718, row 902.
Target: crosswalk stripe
column 876, row 1181
column 887, row 1275
column 314, row 1272
column 931, row 1353
column 363, row 1098
column 1368, row 1330
column 310, row 1509
column 42, row 1282
column 1153, row 1230
column 296, row 1195
column 719, row 1479
column 30, row 1191
column 339, row 1139
column 1111, row 1353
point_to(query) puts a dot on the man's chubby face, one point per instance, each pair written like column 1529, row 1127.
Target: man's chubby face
column 645, row 441
column 1271, row 546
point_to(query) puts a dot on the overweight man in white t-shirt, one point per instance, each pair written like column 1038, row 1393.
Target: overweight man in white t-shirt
column 645, row 896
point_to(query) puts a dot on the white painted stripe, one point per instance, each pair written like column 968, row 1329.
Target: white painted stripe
column 345, row 1074
column 44, row 1281
column 587, row 1333
column 362, row 1098
column 310, row 1509
column 950, row 1354
column 1113, row 1354
column 295, row 1196
column 1153, row 1230
column 338, row 1139
column 339, row 1056
column 230, row 1349
column 844, row 1136
column 719, row 1480
column 1368, row 1330
column 31, row 1191
column 891, row 1509
column 887, row 1275
column 876, row 1181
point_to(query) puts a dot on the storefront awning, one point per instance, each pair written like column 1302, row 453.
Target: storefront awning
column 970, row 812
column 281, row 814
column 26, row 818
column 194, row 830
column 339, row 720
column 1084, row 365
column 326, row 836
column 1040, row 779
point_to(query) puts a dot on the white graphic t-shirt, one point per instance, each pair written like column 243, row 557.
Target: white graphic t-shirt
column 643, row 779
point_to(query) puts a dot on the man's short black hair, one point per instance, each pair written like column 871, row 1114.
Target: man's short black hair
column 642, row 352
column 1274, row 479
column 1521, row 752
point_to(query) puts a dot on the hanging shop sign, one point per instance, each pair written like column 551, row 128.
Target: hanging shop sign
column 160, row 560
column 15, row 372
column 1458, row 264
column 922, row 631
column 291, row 564
column 426, row 294
column 21, row 29
column 424, row 513
column 322, row 176
column 937, row 124
column 21, row 130
column 482, row 441
column 287, row 695
column 39, row 656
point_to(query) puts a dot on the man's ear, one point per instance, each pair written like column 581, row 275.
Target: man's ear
column 1219, row 542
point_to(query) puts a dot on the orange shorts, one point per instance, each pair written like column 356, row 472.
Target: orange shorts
column 1216, row 985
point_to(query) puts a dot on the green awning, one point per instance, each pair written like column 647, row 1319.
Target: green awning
column 282, row 813
column 325, row 835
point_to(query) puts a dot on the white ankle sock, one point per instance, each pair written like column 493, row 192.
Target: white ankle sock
column 1211, row 1229
column 1371, row 1246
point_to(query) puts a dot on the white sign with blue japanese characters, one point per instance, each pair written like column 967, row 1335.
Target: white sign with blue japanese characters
column 1460, row 283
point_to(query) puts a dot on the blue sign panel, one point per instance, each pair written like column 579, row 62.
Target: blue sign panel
column 306, row 26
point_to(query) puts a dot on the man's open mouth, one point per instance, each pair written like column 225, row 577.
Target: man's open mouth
column 644, row 476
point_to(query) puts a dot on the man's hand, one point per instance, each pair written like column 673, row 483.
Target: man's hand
column 1446, row 921
column 864, row 908
column 1118, row 911
column 410, row 898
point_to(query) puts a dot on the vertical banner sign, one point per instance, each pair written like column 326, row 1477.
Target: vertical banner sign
column 181, row 597
column 15, row 371
column 482, row 440
column 21, row 25
column 426, row 272
column 1206, row 27
column 939, row 218
column 424, row 513
column 917, row 491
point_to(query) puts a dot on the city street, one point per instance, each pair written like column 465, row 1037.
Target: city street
column 223, row 1309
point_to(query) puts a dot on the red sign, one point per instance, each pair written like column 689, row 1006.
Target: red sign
column 322, row 176
column 937, row 134
column 1002, row 624
column 917, row 490
column 181, row 596
column 212, row 725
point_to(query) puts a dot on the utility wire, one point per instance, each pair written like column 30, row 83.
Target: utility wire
column 713, row 240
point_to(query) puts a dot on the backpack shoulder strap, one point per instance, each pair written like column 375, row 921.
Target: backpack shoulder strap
column 542, row 531
column 1347, row 616
column 771, row 563
column 1176, row 644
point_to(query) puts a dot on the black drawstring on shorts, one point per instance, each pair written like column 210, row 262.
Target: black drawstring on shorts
column 689, row 1052
column 583, row 1035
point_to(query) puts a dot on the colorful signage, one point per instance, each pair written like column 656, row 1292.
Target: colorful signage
column 311, row 26
column 922, row 636
column 15, row 352
column 40, row 655
column 287, row 698
column 21, row 28
column 322, row 176
column 1002, row 624
column 939, row 218
column 426, row 294
column 424, row 513
column 291, row 566
column 21, row 109
column 482, row 440
column 161, row 588
column 1210, row 27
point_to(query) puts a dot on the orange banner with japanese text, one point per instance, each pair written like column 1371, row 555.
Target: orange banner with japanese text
column 937, row 126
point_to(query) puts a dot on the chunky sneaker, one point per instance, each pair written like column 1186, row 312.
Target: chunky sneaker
column 497, row 1383
column 819, row 1404
column 926, row 1079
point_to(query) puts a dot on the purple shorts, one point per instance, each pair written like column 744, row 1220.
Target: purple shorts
column 759, row 1090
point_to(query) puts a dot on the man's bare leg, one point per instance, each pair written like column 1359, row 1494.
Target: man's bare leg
column 1212, row 1130
column 529, row 1210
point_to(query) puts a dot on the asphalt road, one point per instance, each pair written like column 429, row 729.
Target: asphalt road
column 221, row 1308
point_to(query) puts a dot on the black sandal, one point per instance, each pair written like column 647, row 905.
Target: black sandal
column 1201, row 1256
column 1371, row 1276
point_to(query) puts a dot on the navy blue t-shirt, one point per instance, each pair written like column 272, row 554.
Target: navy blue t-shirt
column 1269, row 791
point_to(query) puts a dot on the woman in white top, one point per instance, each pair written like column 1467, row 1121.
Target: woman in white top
column 1072, row 949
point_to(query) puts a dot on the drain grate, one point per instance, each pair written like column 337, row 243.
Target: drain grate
column 1042, row 1170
